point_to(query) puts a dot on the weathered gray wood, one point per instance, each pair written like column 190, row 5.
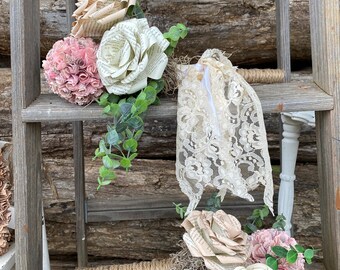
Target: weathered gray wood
column 79, row 178
column 25, row 57
column 294, row 96
column 283, row 37
column 79, row 173
column 155, row 207
column 325, row 30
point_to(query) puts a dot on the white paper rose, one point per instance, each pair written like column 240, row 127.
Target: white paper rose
column 130, row 53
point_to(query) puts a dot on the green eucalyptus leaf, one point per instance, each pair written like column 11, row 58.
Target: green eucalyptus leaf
column 133, row 156
column 150, row 93
column 169, row 51
column 98, row 153
column 129, row 133
column 309, row 261
column 160, row 85
column 102, row 146
column 120, row 127
column 125, row 163
column 112, row 137
column 138, row 134
column 107, row 162
column 130, row 145
column 280, row 251
column 140, row 106
column 107, row 109
column 125, row 108
column 299, row 248
column 113, row 98
column 173, row 43
column 291, row 256
column 157, row 101
column 259, row 223
column 105, row 173
column 115, row 109
column 272, row 262
column 135, row 123
column 251, row 227
column 308, row 253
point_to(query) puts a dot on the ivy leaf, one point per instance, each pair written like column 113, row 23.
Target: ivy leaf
column 291, row 256
column 98, row 153
column 280, row 251
column 112, row 137
column 264, row 212
column 130, row 145
column 125, row 163
column 272, row 262
column 103, row 100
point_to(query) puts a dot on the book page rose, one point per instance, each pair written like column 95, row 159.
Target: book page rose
column 217, row 238
column 256, row 266
column 130, row 53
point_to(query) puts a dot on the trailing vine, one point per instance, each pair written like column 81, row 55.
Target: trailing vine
column 119, row 147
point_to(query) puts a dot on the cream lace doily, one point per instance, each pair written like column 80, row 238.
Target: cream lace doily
column 221, row 137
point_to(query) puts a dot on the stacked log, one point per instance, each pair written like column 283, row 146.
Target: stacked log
column 244, row 28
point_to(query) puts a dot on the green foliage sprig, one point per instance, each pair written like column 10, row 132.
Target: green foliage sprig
column 119, row 147
column 259, row 215
column 290, row 255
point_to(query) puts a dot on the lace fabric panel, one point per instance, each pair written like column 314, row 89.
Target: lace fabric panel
column 221, row 137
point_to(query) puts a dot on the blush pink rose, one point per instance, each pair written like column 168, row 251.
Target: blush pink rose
column 263, row 240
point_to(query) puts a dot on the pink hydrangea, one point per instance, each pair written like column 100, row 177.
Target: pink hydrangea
column 263, row 240
column 71, row 71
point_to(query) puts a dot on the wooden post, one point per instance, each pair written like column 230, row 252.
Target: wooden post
column 25, row 57
column 79, row 170
column 325, row 35
column 283, row 37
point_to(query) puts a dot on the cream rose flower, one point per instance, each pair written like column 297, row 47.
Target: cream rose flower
column 217, row 238
column 130, row 53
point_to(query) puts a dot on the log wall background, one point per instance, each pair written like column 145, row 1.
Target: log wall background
column 245, row 28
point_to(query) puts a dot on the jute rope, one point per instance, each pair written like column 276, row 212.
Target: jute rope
column 256, row 75
column 153, row 265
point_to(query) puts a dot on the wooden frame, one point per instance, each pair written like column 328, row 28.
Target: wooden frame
column 29, row 109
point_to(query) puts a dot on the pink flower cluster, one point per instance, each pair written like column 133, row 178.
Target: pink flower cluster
column 71, row 71
column 263, row 240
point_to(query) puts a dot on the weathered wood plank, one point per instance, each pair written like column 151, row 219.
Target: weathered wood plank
column 294, row 96
column 25, row 57
column 155, row 207
column 283, row 37
column 325, row 30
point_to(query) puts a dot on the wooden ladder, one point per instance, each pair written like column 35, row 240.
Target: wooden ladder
column 30, row 108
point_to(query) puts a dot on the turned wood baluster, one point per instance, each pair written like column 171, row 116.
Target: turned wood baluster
column 289, row 150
